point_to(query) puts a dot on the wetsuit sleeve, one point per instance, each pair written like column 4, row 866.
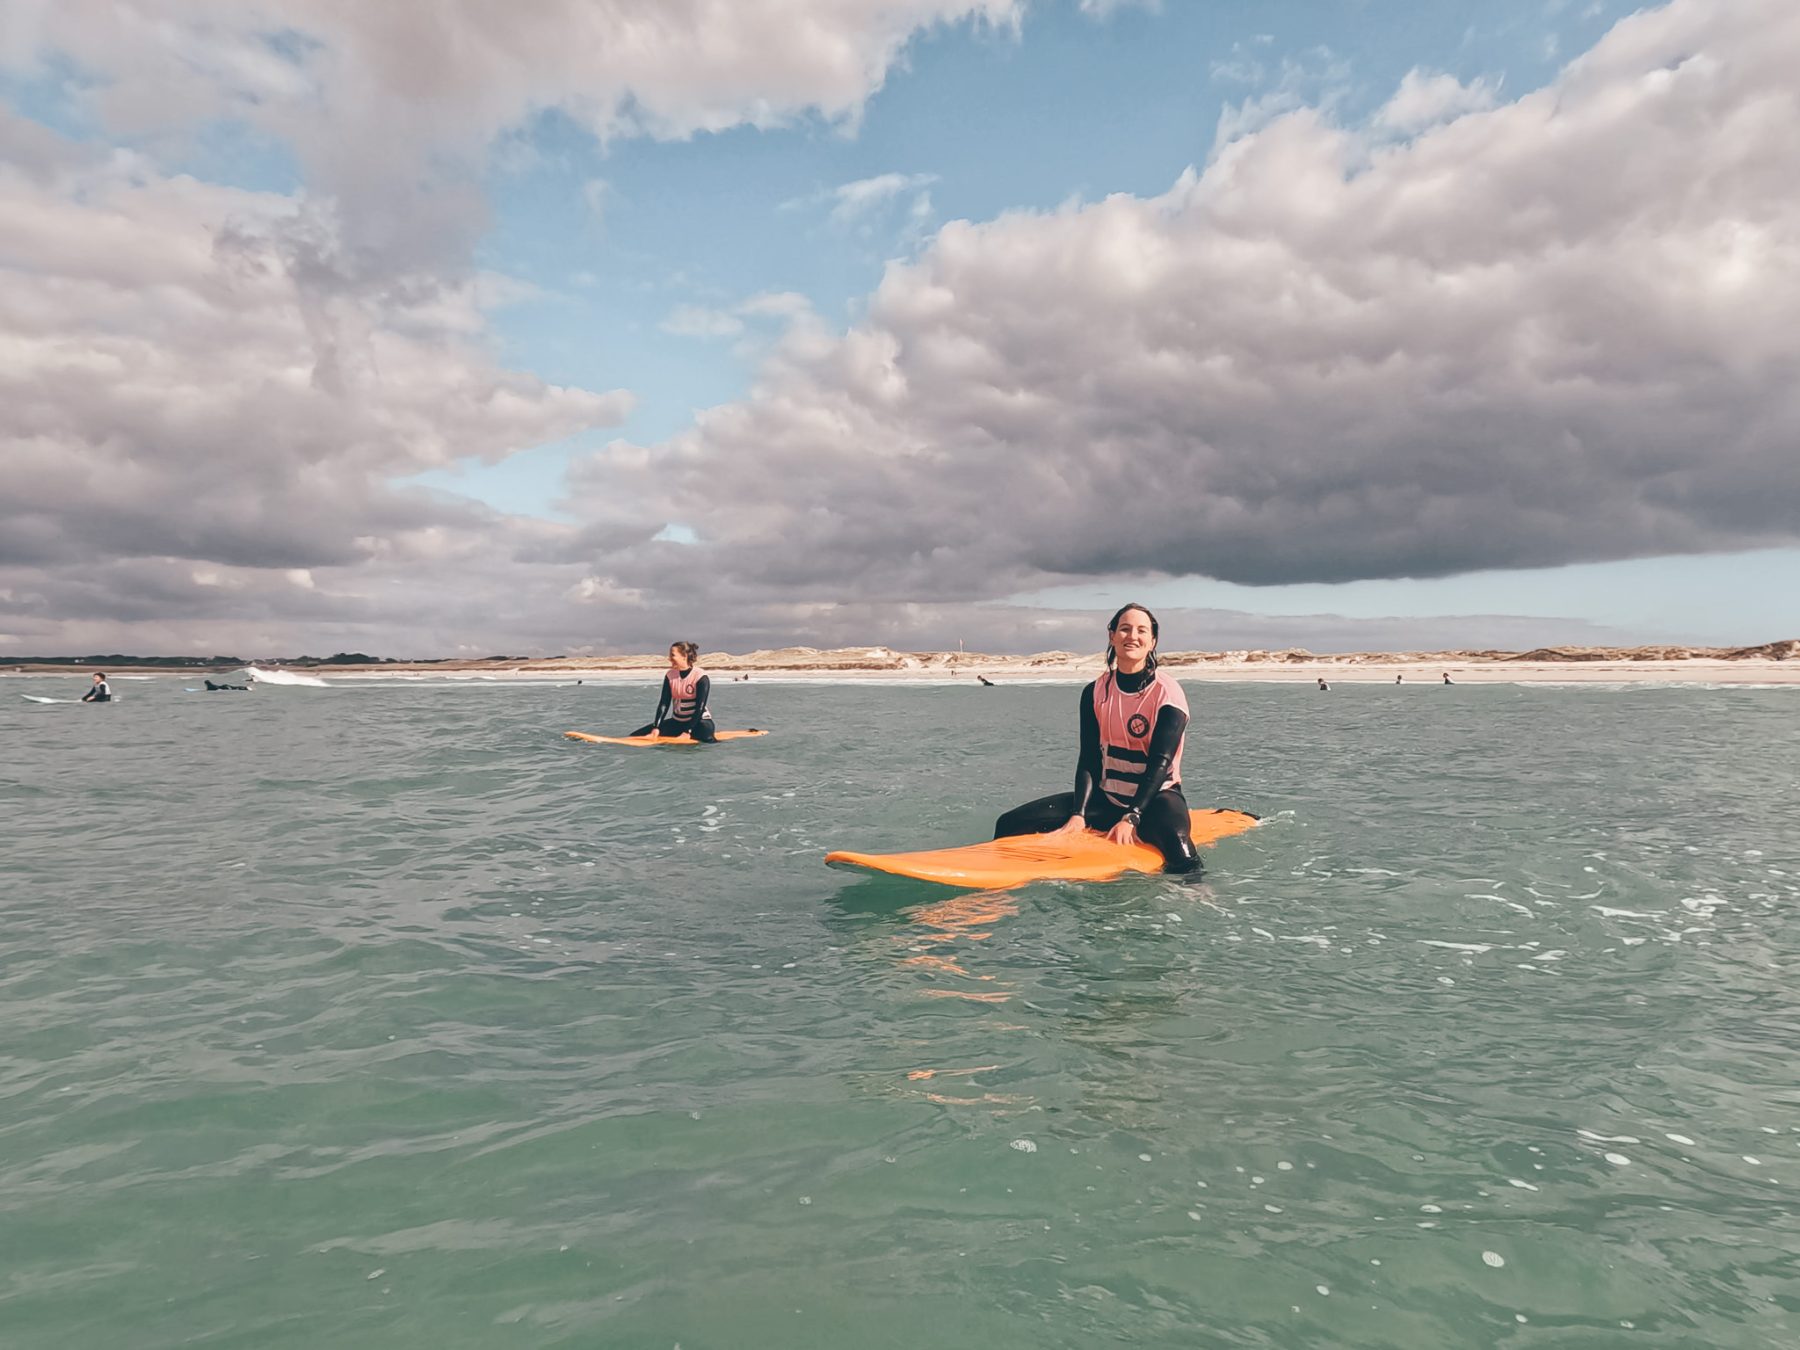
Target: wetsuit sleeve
column 702, row 691
column 1171, row 725
column 1087, row 768
column 662, row 703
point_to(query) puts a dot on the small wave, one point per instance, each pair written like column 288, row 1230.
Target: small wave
column 262, row 676
column 1477, row 947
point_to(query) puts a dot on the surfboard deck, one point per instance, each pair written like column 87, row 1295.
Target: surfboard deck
column 683, row 739
column 999, row 863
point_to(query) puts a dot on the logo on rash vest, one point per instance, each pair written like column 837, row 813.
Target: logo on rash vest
column 1139, row 725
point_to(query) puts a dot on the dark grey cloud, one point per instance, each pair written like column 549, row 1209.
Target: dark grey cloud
column 489, row 605
column 187, row 388
column 1550, row 331
column 209, row 392
column 1470, row 335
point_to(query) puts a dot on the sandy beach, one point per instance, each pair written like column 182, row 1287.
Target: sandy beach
column 1775, row 663
column 1063, row 668
column 1772, row 663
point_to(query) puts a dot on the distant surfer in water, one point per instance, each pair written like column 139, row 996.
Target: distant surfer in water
column 99, row 692
column 985, row 680
column 683, row 704
column 1323, row 685
column 218, row 688
column 1128, row 777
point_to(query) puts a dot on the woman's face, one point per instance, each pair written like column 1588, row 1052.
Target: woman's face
column 675, row 661
column 1132, row 640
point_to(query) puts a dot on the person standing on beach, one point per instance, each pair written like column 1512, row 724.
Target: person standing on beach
column 1133, row 723
column 100, row 692
column 682, row 707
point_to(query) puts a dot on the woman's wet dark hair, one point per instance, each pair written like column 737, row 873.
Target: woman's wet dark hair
column 689, row 650
column 1112, row 626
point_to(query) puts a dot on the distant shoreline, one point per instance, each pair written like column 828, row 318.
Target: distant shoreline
column 1772, row 663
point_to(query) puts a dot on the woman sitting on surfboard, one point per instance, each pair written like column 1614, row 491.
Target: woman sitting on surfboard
column 1128, row 779
column 682, row 707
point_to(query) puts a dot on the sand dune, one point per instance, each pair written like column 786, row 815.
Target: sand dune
column 1767, row 663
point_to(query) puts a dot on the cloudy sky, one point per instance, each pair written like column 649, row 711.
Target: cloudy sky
column 437, row 327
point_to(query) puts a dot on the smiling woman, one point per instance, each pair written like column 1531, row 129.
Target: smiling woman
column 1128, row 776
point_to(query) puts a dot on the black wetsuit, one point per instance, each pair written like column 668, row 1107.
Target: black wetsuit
column 699, row 726
column 1163, row 821
column 100, row 693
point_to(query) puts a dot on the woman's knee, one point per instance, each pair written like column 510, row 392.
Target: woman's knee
column 1015, row 821
column 1035, row 817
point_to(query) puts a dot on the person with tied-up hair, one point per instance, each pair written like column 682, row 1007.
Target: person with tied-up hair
column 1128, row 778
column 682, row 708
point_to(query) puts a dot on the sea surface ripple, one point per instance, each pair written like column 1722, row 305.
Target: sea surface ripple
column 384, row 1016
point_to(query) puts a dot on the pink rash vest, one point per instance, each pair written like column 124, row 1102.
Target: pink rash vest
column 1126, row 724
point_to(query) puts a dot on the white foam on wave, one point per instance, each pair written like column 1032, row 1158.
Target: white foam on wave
column 1501, row 900
column 1476, row 947
column 262, row 676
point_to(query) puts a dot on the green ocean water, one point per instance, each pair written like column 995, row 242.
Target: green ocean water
column 383, row 1016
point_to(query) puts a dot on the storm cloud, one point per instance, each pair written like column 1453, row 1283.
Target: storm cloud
column 213, row 399
column 1554, row 330
column 1467, row 333
column 183, row 380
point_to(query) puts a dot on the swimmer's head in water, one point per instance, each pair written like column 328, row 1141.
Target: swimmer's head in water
column 1133, row 631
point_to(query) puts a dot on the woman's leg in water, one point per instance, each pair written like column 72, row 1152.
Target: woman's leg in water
column 1038, row 817
column 1165, row 826
column 644, row 730
column 705, row 732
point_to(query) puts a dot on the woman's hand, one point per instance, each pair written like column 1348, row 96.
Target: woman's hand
column 1125, row 832
column 1073, row 825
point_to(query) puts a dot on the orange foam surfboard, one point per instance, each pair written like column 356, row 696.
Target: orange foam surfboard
column 998, row 863
column 683, row 739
